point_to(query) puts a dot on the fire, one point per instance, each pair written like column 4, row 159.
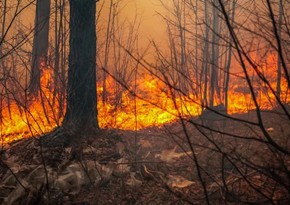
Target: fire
column 24, row 120
column 240, row 99
column 153, row 104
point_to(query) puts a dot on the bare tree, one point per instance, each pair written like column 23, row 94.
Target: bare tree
column 279, row 67
column 229, row 58
column 251, row 34
column 81, row 113
column 214, row 90
column 60, row 53
column 205, row 57
column 109, row 30
column 40, row 43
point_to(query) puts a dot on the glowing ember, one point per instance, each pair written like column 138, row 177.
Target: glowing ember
column 154, row 106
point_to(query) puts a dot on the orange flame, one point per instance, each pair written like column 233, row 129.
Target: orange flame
column 23, row 120
column 155, row 106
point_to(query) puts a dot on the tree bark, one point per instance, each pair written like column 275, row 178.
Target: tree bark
column 81, row 113
column 40, row 43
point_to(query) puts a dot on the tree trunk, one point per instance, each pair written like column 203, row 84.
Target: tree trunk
column 229, row 58
column 81, row 113
column 205, row 56
column 40, row 43
column 279, row 67
column 107, row 52
column 215, row 56
column 59, row 87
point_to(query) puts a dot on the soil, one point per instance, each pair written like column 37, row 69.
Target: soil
column 190, row 162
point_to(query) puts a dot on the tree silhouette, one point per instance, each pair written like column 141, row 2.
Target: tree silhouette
column 81, row 113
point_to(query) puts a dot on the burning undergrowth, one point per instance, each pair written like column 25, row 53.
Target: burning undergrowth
column 154, row 165
column 167, row 147
column 150, row 100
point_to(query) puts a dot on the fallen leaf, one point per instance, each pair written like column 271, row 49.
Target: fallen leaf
column 106, row 172
column 120, row 147
column 68, row 150
column 145, row 143
column 89, row 150
column 71, row 179
column 132, row 181
column 170, row 156
column 121, row 167
column 12, row 163
column 270, row 129
column 16, row 194
column 178, row 181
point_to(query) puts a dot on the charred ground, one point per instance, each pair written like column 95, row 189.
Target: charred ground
column 154, row 166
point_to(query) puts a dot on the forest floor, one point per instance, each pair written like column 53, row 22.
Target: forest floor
column 173, row 164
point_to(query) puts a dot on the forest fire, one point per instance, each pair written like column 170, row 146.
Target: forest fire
column 153, row 105
column 187, row 99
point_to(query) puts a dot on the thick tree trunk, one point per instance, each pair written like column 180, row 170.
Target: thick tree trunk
column 40, row 43
column 81, row 113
